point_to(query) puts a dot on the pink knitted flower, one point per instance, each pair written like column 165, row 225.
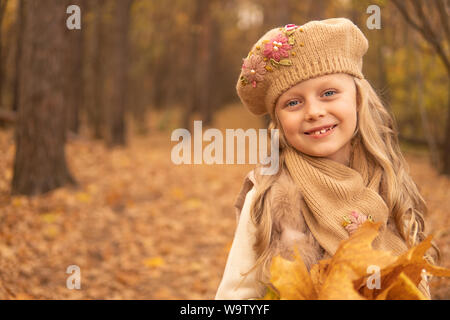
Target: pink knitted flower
column 354, row 221
column 277, row 48
column 253, row 69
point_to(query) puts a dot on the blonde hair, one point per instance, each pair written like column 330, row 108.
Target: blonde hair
column 377, row 133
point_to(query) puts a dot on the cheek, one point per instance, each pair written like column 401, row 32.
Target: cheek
column 291, row 126
column 348, row 116
column 350, row 119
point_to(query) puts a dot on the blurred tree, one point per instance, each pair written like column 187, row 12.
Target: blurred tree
column 317, row 9
column 161, row 52
column 202, row 45
column 7, row 116
column 379, row 41
column 74, row 67
column 2, row 12
column 20, row 27
column 119, row 76
column 194, row 33
column 40, row 163
column 95, row 66
column 431, row 21
column 277, row 13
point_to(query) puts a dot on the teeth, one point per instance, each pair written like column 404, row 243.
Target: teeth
column 321, row 131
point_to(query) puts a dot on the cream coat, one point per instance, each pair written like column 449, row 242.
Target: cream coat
column 240, row 259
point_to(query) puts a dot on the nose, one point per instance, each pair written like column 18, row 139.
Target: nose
column 314, row 111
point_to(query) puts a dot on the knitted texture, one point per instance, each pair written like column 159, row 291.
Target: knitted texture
column 331, row 191
column 286, row 56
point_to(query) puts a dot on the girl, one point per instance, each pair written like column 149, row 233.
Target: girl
column 340, row 161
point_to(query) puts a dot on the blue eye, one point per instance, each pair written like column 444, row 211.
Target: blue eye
column 329, row 91
column 292, row 103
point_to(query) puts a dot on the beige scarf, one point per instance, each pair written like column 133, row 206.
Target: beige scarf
column 331, row 191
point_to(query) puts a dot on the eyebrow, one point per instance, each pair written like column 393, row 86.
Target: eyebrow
column 329, row 82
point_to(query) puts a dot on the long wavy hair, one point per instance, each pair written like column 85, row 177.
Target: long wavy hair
column 377, row 132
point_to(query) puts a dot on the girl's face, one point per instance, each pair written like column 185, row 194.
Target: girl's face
column 318, row 116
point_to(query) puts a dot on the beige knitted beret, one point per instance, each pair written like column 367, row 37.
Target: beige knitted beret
column 285, row 56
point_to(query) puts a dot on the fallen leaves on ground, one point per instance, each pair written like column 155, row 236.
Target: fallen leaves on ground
column 134, row 204
column 345, row 275
column 150, row 230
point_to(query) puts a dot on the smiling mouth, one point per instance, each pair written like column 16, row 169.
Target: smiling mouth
column 320, row 132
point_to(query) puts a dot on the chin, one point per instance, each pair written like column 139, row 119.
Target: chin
column 316, row 153
column 320, row 154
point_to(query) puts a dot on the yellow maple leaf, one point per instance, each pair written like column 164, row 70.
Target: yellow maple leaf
column 193, row 203
column 292, row 279
column 318, row 273
column 83, row 197
column 402, row 289
column 50, row 217
column 345, row 275
column 177, row 193
column 154, row 262
column 350, row 262
column 16, row 202
column 51, row 231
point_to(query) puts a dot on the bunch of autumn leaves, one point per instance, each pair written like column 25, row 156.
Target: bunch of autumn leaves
column 345, row 275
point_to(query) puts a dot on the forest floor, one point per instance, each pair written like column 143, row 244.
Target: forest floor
column 140, row 227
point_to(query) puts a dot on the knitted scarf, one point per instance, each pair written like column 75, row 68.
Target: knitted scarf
column 331, row 191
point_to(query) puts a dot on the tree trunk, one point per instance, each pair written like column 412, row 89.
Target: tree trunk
column 40, row 163
column 195, row 31
column 159, row 80
column 74, row 65
column 214, row 98
column 202, row 54
column 316, row 9
column 99, row 71
column 204, row 69
column 95, row 69
column 116, row 115
column 2, row 12
column 278, row 13
column 20, row 28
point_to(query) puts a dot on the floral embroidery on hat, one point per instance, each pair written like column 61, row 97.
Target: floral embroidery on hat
column 253, row 69
column 277, row 48
column 275, row 53
column 354, row 221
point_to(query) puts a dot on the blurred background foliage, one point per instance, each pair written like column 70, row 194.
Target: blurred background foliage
column 182, row 58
